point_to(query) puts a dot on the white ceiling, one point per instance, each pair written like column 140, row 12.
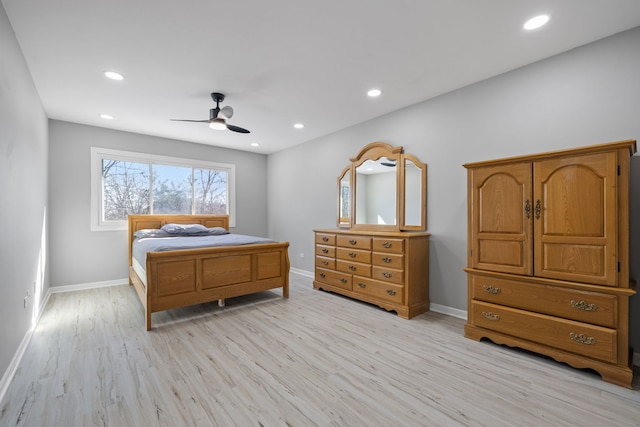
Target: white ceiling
column 282, row 61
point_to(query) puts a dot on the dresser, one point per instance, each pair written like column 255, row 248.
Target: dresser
column 388, row 269
column 548, row 256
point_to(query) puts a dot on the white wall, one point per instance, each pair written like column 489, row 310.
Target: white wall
column 587, row 96
column 80, row 256
column 23, row 196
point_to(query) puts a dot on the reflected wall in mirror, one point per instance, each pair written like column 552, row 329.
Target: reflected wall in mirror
column 383, row 189
column 344, row 199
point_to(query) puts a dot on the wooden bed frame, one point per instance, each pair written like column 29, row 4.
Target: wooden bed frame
column 193, row 276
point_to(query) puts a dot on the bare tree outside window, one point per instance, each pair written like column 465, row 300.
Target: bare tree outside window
column 125, row 189
column 210, row 191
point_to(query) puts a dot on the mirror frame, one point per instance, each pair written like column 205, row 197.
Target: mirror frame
column 375, row 151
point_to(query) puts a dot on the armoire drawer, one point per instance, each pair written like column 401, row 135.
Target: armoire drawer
column 388, row 260
column 328, row 263
column 356, row 242
column 576, row 337
column 326, row 251
column 388, row 245
column 334, row 278
column 356, row 255
column 591, row 307
column 353, row 267
column 380, row 290
column 325, row 239
column 388, row 275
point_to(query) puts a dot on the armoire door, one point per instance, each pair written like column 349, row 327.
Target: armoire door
column 501, row 218
column 575, row 217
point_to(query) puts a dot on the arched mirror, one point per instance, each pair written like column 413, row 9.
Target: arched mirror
column 383, row 189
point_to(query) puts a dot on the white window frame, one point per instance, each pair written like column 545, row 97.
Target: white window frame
column 99, row 154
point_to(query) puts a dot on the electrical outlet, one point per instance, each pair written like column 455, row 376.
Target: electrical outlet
column 301, row 254
column 27, row 299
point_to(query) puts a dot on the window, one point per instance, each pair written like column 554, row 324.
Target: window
column 124, row 182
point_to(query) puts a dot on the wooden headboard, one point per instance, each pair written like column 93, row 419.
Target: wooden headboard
column 139, row 222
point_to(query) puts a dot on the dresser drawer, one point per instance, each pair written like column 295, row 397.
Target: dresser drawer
column 380, row 290
column 576, row 337
column 388, row 275
column 325, row 239
column 590, row 307
column 326, row 251
column 383, row 244
column 356, row 242
column 356, row 255
column 353, row 267
column 334, row 278
column 328, row 263
column 388, row 260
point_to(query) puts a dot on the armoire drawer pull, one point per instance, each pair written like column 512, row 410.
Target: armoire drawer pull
column 325, row 239
column 386, row 259
column 491, row 289
column 361, row 285
column 391, row 292
column 353, row 268
column 322, row 275
column 538, row 209
column 352, row 255
column 353, row 242
column 386, row 244
column 325, row 251
column 582, row 338
column 527, row 209
column 583, row 305
column 325, row 262
column 490, row 316
column 343, row 280
column 387, row 275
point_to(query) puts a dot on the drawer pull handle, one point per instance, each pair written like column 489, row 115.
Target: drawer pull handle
column 387, row 275
column 391, row 292
column 490, row 316
column 386, row 259
column 325, row 251
column 353, row 242
column 353, row 268
column 386, row 245
column 491, row 289
column 583, row 305
column 362, row 285
column 343, row 280
column 352, row 255
column 325, row 239
column 325, row 263
column 323, row 275
column 582, row 338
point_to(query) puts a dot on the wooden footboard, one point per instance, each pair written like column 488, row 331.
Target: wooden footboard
column 194, row 276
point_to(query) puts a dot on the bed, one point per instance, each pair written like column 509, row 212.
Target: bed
column 172, row 278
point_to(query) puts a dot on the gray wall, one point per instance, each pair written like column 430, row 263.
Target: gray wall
column 80, row 256
column 586, row 96
column 23, row 195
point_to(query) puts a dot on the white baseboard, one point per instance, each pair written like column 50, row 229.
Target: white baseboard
column 84, row 286
column 304, row 273
column 460, row 314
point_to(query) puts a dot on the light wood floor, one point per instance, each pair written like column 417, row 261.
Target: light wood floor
column 317, row 359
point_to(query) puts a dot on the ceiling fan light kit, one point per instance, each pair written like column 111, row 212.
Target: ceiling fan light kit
column 218, row 116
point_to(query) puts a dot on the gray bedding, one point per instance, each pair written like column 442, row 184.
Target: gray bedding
column 158, row 244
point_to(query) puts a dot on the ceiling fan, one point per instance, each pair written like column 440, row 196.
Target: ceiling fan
column 218, row 116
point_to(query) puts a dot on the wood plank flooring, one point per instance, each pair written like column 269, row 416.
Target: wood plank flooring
column 316, row 359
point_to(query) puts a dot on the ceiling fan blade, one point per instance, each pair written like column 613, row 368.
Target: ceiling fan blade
column 237, row 129
column 185, row 120
column 226, row 112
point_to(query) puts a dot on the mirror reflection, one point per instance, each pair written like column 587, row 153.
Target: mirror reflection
column 345, row 198
column 376, row 192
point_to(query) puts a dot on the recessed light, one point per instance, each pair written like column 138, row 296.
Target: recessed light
column 255, row 144
column 113, row 75
column 298, row 126
column 374, row 92
column 536, row 22
column 106, row 116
